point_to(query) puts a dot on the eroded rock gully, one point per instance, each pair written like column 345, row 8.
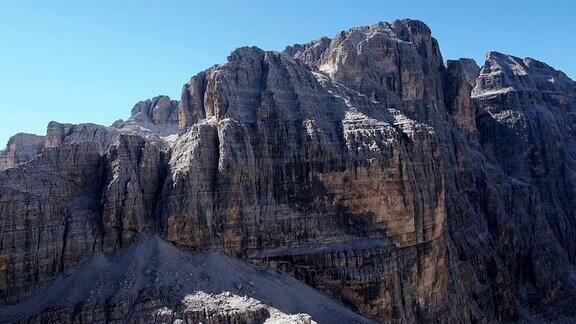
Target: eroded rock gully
column 408, row 189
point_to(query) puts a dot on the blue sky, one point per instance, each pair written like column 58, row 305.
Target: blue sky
column 90, row 61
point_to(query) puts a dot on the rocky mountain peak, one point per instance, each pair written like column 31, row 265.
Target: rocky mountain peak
column 408, row 189
column 156, row 117
column 467, row 67
column 21, row 147
column 160, row 110
column 507, row 73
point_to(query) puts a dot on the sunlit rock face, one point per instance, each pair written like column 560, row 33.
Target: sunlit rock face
column 409, row 189
column 505, row 134
column 282, row 156
column 21, row 148
column 152, row 117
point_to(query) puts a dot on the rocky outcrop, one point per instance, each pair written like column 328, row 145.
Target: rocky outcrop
column 47, row 210
column 159, row 110
column 459, row 80
column 155, row 119
column 135, row 170
column 157, row 116
column 397, row 64
column 21, row 148
column 280, row 155
column 25, row 147
column 410, row 190
column 59, row 134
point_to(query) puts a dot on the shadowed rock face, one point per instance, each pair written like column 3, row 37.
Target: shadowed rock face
column 459, row 80
column 48, row 207
column 410, row 190
column 525, row 121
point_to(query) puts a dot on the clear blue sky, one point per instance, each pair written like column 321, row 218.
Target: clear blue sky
column 90, row 61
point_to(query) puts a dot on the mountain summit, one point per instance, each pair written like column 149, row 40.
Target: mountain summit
column 395, row 186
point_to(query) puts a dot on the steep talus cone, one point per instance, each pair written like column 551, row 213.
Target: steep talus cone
column 154, row 282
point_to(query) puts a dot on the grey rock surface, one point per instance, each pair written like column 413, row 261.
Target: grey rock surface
column 278, row 155
column 155, row 119
column 152, row 281
column 135, row 170
column 157, row 116
column 47, row 213
column 58, row 134
column 21, row 148
column 362, row 165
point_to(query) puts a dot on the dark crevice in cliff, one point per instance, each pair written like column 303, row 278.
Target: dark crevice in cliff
column 159, row 194
column 64, row 245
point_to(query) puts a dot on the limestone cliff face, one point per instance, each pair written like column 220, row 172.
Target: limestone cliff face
column 496, row 220
column 47, row 213
column 525, row 121
column 409, row 189
column 459, row 80
column 152, row 117
column 155, row 119
column 21, row 148
column 279, row 159
column 135, row 170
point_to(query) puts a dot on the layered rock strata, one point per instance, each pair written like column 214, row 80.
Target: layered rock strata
column 409, row 189
column 155, row 119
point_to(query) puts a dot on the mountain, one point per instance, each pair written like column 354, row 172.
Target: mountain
column 388, row 182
